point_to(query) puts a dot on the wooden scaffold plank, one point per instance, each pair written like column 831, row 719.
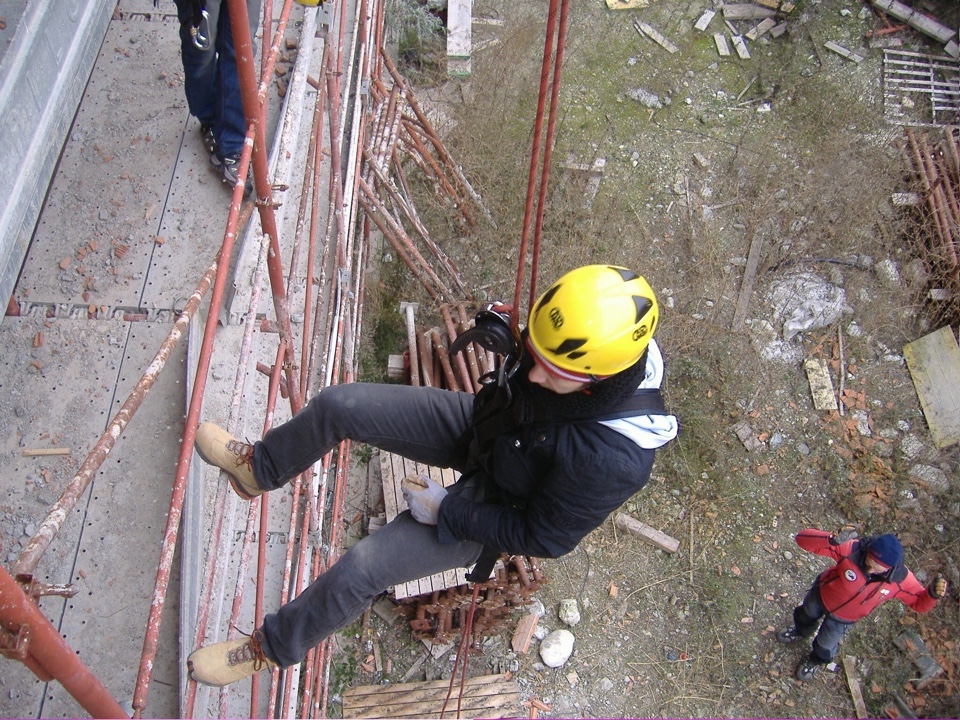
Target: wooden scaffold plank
column 484, row 696
column 394, row 469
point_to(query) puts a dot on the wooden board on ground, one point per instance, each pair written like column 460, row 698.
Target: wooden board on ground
column 627, row 4
column 486, row 696
column 778, row 5
column 746, row 285
column 646, row 533
column 821, row 386
column 934, row 363
column 850, row 666
column 655, row 35
column 395, row 468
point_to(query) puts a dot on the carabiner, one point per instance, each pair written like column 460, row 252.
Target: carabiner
column 200, row 33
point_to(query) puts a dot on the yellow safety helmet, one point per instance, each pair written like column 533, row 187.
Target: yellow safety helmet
column 593, row 322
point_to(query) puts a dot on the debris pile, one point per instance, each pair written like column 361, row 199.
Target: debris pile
column 938, row 168
column 440, row 616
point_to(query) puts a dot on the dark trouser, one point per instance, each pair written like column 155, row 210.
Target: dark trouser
column 422, row 424
column 210, row 80
column 805, row 619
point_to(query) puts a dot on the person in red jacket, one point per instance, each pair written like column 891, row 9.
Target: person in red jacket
column 868, row 572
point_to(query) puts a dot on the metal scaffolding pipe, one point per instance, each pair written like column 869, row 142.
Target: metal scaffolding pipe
column 369, row 202
column 172, row 527
column 408, row 310
column 254, row 114
column 444, row 356
column 425, row 356
column 434, row 138
column 51, row 651
column 467, row 378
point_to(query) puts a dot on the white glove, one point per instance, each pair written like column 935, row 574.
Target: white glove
column 423, row 497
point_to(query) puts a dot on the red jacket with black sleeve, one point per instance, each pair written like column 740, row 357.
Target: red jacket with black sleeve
column 847, row 592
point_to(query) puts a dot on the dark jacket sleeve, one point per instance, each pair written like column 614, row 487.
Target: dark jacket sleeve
column 571, row 498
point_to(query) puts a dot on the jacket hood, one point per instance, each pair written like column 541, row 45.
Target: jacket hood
column 648, row 431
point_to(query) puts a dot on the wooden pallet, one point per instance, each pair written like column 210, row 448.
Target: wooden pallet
column 487, row 696
column 394, row 468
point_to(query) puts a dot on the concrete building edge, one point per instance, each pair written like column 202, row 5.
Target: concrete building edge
column 22, row 210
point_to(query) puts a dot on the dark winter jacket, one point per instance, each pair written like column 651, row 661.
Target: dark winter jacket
column 847, row 592
column 547, row 483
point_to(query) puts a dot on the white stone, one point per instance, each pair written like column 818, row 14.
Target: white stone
column 556, row 648
column 888, row 274
column 569, row 612
column 912, row 447
column 536, row 608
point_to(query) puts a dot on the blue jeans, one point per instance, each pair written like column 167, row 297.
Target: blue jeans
column 423, row 424
column 211, row 83
column 805, row 619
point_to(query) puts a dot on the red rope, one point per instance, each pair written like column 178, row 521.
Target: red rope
column 463, row 652
column 548, row 150
column 535, row 153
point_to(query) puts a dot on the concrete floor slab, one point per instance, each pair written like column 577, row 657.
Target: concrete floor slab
column 117, row 555
column 109, row 545
column 99, row 226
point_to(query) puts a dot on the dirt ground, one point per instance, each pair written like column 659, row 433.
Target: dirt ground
column 704, row 157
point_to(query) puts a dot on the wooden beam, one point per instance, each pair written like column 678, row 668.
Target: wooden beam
column 749, row 278
column 746, row 11
column 43, row 452
column 520, row 642
column 741, row 47
column 850, row 666
column 843, row 52
column 916, row 19
column 646, row 533
column 656, row 36
column 721, row 42
column 821, row 386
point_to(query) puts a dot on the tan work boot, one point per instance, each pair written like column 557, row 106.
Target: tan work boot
column 219, row 448
column 226, row 662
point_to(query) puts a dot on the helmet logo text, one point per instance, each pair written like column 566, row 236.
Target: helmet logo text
column 556, row 318
column 640, row 332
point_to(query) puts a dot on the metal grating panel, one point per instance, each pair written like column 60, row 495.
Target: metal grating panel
column 920, row 90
